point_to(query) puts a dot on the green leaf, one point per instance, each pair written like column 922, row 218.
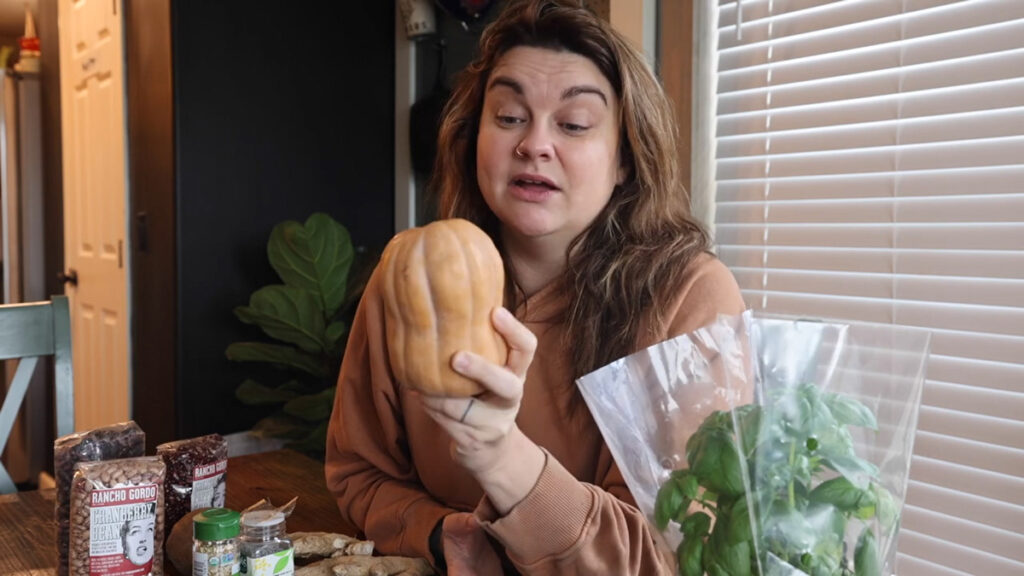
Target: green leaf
column 335, row 334
column 842, row 494
column 290, row 314
column 253, row 393
column 848, row 411
column 316, row 257
column 690, row 556
column 788, row 529
column 668, row 503
column 748, row 429
column 887, row 509
column 857, row 470
column 717, row 463
column 865, row 556
column 312, row 443
column 277, row 354
column 696, row 525
column 735, row 559
column 739, row 523
column 312, row 407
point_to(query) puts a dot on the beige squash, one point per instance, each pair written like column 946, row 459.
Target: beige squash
column 440, row 284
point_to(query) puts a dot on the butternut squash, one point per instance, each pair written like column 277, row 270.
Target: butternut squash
column 440, row 283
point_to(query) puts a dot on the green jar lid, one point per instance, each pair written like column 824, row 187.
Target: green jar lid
column 215, row 524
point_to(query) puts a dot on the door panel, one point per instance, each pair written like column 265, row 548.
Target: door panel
column 92, row 98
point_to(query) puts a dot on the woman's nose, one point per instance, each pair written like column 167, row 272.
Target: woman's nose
column 536, row 144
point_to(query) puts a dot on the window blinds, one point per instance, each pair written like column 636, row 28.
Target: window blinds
column 869, row 165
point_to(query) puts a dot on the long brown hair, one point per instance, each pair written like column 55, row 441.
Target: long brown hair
column 625, row 268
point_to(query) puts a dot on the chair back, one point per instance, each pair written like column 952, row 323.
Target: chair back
column 28, row 332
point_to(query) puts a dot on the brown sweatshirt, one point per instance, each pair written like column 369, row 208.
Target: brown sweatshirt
column 388, row 463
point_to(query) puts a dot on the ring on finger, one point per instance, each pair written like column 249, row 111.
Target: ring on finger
column 466, row 412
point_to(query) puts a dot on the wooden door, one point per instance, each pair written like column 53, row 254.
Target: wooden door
column 95, row 225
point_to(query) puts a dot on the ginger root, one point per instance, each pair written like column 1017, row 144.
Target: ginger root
column 367, row 566
column 325, row 544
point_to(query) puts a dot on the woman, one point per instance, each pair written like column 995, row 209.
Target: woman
column 559, row 142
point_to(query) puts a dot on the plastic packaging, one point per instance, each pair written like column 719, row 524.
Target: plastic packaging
column 196, row 474
column 768, row 445
column 124, row 440
column 215, row 549
column 117, row 518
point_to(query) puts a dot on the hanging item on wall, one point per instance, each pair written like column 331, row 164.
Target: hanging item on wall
column 466, row 11
column 425, row 120
column 419, row 18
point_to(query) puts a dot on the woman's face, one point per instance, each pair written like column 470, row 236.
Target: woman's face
column 138, row 541
column 563, row 115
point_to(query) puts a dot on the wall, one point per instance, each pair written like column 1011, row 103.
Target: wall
column 277, row 115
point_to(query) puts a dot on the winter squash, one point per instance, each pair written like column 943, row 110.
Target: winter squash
column 440, row 284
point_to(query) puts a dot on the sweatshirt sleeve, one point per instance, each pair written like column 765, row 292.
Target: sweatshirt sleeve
column 568, row 527
column 368, row 468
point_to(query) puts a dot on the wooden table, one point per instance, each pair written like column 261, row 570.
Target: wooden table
column 27, row 531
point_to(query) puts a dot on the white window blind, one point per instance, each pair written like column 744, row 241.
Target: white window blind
column 870, row 165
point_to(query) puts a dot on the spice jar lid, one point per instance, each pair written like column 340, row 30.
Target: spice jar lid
column 215, row 524
column 262, row 518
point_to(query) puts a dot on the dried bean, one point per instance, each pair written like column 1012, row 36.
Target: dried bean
column 124, row 440
column 196, row 474
column 117, row 526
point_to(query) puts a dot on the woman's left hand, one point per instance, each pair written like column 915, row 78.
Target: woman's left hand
column 481, row 426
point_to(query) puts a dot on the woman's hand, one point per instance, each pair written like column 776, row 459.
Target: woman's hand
column 485, row 438
column 467, row 551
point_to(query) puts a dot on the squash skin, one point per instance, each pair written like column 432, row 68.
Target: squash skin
column 440, row 284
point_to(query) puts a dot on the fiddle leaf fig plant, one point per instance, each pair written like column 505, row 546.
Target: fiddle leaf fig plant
column 307, row 319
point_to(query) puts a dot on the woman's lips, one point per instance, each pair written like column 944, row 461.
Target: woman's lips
column 532, row 188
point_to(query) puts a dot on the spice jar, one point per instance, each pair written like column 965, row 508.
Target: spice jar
column 265, row 546
column 215, row 543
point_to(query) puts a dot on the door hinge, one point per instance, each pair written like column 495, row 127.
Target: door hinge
column 120, row 255
column 114, row 2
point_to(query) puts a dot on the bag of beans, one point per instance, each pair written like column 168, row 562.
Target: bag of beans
column 117, row 518
column 124, row 440
column 196, row 475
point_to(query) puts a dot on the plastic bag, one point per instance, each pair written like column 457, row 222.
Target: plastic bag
column 123, row 440
column 196, row 474
column 768, row 445
column 117, row 517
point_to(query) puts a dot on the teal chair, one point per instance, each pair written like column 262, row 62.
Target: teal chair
column 28, row 331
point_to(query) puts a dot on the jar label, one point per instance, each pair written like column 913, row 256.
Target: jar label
column 122, row 525
column 276, row 564
column 215, row 564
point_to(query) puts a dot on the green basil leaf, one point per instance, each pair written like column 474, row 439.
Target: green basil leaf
column 696, row 525
column 842, row 494
column 717, row 464
column 739, row 529
column 667, row 503
column 735, row 559
column 887, row 509
column 690, row 556
column 848, row 411
column 865, row 556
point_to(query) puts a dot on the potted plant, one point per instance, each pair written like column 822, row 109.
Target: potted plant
column 307, row 319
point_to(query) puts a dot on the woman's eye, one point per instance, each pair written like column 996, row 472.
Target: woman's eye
column 506, row 120
column 574, row 128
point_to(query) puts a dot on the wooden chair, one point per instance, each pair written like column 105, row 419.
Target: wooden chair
column 28, row 331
